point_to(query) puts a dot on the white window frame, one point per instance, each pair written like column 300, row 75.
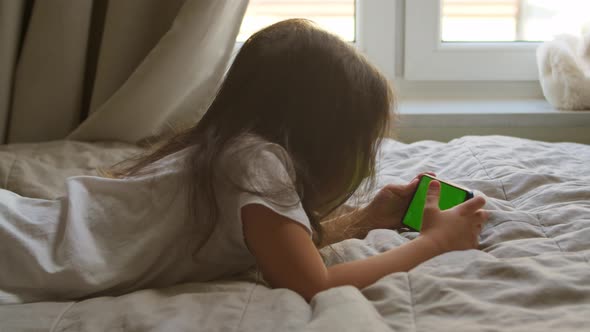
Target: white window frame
column 375, row 33
column 429, row 59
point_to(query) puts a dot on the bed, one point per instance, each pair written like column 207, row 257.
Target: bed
column 531, row 274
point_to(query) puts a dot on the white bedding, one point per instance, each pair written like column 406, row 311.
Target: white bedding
column 532, row 274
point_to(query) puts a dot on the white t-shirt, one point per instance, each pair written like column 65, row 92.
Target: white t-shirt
column 113, row 236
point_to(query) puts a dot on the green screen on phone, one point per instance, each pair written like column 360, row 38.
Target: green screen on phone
column 449, row 196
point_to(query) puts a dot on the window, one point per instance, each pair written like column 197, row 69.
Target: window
column 512, row 20
column 368, row 24
column 437, row 40
column 337, row 16
column 484, row 39
column 459, row 66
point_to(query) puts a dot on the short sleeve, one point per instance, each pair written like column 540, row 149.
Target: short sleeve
column 262, row 173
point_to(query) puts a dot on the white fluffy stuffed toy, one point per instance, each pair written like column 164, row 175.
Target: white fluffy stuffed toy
column 564, row 71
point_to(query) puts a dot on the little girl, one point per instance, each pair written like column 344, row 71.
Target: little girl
column 291, row 135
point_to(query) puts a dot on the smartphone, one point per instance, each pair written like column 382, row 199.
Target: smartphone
column 450, row 195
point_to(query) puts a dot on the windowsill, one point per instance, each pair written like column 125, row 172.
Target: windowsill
column 475, row 106
column 445, row 119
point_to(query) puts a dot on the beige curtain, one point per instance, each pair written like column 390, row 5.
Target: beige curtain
column 11, row 21
column 109, row 69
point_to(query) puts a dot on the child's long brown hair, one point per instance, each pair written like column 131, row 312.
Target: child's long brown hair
column 306, row 90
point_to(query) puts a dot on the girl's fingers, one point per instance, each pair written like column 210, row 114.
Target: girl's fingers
column 421, row 174
column 432, row 195
column 482, row 215
column 472, row 205
column 412, row 184
column 478, row 229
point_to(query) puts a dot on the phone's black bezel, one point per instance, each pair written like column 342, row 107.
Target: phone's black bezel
column 467, row 197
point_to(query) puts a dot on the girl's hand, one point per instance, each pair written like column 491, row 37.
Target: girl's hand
column 389, row 205
column 457, row 228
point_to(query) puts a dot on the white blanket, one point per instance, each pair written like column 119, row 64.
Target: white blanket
column 532, row 274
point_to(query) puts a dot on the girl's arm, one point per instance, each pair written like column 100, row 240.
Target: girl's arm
column 288, row 258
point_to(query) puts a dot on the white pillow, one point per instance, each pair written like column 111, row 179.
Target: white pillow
column 176, row 81
column 564, row 71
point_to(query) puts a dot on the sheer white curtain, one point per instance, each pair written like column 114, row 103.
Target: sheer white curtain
column 107, row 69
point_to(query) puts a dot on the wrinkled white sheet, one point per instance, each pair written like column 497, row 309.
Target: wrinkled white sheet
column 532, row 274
